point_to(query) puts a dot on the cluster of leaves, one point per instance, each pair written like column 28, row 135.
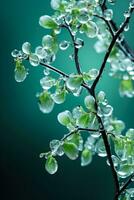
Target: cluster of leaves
column 83, row 17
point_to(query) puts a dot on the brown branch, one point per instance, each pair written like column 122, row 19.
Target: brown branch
column 107, row 147
column 110, row 49
column 123, row 45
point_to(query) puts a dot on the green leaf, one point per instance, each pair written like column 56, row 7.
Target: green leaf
column 70, row 150
column 65, row 118
column 51, row 165
column 84, row 120
column 86, row 157
column 125, row 170
column 46, row 103
column 50, row 42
column 126, row 88
column 20, row 72
column 47, row 22
column 77, row 140
column 59, row 97
column 74, row 82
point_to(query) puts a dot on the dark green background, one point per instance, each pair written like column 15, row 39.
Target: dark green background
column 25, row 131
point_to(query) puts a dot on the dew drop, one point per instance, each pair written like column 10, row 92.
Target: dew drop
column 34, row 60
column 26, row 48
column 64, row 45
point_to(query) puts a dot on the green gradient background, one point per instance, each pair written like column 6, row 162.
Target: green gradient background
column 25, row 131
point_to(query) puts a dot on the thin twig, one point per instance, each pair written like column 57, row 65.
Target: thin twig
column 76, row 130
column 123, row 45
column 76, row 50
column 126, row 184
column 108, row 25
column 110, row 49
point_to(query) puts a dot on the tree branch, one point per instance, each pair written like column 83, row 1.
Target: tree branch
column 128, row 182
column 76, row 50
column 110, row 49
column 76, row 130
column 123, row 45
column 107, row 147
column 107, row 23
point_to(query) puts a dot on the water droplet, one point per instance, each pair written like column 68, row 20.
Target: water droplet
column 79, row 43
column 15, row 53
column 92, row 29
column 47, row 41
column 101, row 96
column 83, row 16
column 126, row 27
column 115, row 160
column 47, row 82
column 132, row 4
column 112, row 2
column 93, row 73
column 108, row 14
column 40, row 52
column 34, row 60
column 47, row 71
column 56, row 149
column 26, row 48
column 64, row 45
column 126, row 14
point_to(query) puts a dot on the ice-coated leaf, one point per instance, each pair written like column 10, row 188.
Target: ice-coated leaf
column 51, row 165
column 130, row 133
column 74, row 82
column 56, row 149
column 49, row 42
column 70, row 150
column 34, row 60
column 47, row 22
column 46, row 102
column 118, row 126
column 90, row 102
column 125, row 170
column 84, row 120
column 20, row 72
column 65, row 117
column 26, row 48
column 126, row 88
column 91, row 29
column 100, row 148
column 86, row 157
column 59, row 97
column 55, row 4
column 47, row 82
column 77, row 139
